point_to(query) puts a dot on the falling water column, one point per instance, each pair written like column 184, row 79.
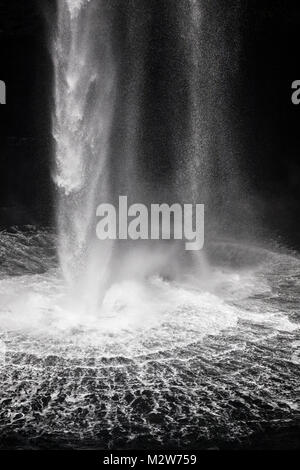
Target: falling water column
column 84, row 103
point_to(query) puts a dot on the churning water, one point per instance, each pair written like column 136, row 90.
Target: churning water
column 164, row 363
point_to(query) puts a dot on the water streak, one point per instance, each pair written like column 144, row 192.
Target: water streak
column 84, row 105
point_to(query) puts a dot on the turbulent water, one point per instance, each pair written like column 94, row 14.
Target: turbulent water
column 208, row 363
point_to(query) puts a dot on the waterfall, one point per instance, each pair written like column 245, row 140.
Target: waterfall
column 143, row 344
column 139, row 111
column 84, row 104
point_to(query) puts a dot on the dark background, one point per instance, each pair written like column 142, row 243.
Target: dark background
column 269, row 64
column 25, row 140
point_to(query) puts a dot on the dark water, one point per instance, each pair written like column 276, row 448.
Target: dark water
column 212, row 365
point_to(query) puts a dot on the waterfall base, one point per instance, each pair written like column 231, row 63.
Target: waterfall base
column 162, row 364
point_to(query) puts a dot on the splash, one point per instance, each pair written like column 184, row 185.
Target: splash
column 180, row 364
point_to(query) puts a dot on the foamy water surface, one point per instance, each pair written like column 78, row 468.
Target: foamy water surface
column 162, row 362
